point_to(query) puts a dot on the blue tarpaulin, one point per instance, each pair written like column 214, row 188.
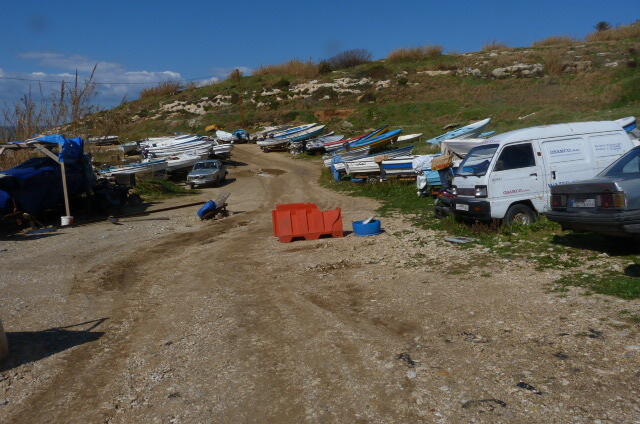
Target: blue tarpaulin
column 36, row 184
column 72, row 148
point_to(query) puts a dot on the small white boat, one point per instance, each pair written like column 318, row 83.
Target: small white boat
column 227, row 137
column 153, row 167
column 160, row 142
column 628, row 124
column 409, row 137
column 222, row 149
column 402, row 165
column 468, row 131
column 282, row 140
column 179, row 148
column 459, row 147
column 361, row 167
column 181, row 162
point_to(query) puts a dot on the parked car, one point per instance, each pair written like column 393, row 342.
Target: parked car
column 207, row 172
column 508, row 177
column 607, row 204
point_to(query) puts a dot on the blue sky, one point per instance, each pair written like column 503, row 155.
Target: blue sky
column 145, row 41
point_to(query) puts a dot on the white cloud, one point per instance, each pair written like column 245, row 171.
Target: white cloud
column 206, row 81
column 66, row 66
column 60, row 66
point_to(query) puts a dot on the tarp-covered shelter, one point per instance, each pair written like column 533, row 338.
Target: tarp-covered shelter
column 37, row 184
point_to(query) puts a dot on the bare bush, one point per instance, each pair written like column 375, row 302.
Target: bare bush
column 165, row 88
column 557, row 40
column 235, row 75
column 415, row 53
column 349, row 59
column 294, row 67
column 68, row 105
column 495, row 45
column 622, row 32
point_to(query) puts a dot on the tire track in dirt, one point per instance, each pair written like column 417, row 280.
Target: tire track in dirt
column 280, row 315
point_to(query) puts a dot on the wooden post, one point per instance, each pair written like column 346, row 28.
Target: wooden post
column 4, row 345
column 64, row 175
column 64, row 190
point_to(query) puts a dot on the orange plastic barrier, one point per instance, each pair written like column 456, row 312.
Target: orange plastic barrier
column 306, row 220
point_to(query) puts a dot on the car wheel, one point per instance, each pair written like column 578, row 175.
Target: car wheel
column 520, row 214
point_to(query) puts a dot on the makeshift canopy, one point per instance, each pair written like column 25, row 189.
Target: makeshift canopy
column 72, row 149
column 43, row 183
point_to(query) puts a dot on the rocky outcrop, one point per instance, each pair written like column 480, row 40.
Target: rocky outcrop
column 519, row 70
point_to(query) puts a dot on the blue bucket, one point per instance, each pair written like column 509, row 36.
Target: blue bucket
column 373, row 228
column 206, row 208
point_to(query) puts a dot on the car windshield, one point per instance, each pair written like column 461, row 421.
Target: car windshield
column 627, row 166
column 206, row 165
column 477, row 160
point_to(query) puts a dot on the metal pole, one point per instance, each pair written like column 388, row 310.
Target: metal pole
column 4, row 345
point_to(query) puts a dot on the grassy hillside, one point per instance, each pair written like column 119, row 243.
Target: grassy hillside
column 518, row 87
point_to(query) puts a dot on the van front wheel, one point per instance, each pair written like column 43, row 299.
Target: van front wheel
column 520, row 214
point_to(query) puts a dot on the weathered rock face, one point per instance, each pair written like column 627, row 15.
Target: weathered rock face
column 4, row 346
column 519, row 70
column 577, row 67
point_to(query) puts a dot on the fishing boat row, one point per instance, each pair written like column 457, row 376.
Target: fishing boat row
column 170, row 154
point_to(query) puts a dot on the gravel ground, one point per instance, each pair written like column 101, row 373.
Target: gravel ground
column 168, row 319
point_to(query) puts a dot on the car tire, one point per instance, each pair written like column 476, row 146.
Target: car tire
column 520, row 214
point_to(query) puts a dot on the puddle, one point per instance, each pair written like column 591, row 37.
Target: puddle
column 270, row 172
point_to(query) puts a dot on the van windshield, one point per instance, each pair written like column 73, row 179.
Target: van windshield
column 477, row 160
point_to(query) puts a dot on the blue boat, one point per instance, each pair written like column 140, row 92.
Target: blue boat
column 628, row 124
column 372, row 142
column 464, row 132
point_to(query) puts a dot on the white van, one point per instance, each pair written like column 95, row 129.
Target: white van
column 509, row 176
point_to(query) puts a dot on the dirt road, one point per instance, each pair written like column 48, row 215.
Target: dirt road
column 217, row 322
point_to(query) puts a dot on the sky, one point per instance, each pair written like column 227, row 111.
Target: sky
column 143, row 42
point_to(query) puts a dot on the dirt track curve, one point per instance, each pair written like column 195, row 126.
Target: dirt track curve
column 217, row 322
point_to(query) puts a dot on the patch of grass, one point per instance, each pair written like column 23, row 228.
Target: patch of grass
column 155, row 189
column 622, row 32
column 294, row 67
column 166, row 88
column 556, row 40
column 494, row 45
column 613, row 284
column 553, row 62
column 629, row 316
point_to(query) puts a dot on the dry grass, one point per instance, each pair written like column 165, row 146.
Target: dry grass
column 553, row 62
column 622, row 32
column 166, row 88
column 494, row 45
column 415, row 53
column 557, row 40
column 16, row 157
column 349, row 59
column 293, row 67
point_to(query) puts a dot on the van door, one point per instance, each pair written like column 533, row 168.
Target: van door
column 566, row 160
column 516, row 176
column 608, row 147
